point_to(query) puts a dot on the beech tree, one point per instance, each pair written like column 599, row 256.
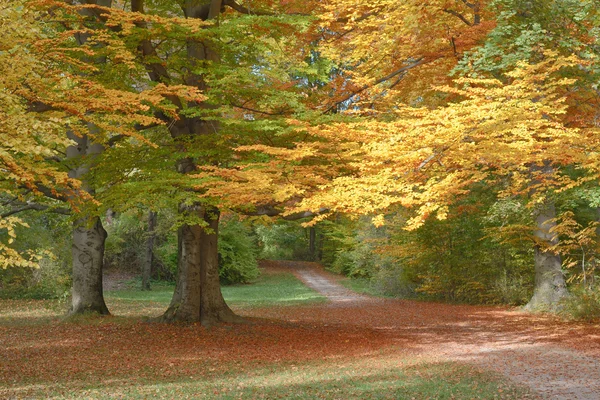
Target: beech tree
column 64, row 105
column 252, row 64
column 523, row 31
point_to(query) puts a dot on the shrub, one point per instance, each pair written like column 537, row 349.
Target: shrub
column 511, row 289
column 283, row 241
column 582, row 304
column 391, row 281
column 165, row 252
column 237, row 252
column 125, row 242
column 52, row 280
column 48, row 234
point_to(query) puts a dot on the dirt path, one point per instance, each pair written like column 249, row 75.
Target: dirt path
column 315, row 277
column 555, row 359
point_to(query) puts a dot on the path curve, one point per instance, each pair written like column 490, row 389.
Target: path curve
column 315, row 277
column 553, row 371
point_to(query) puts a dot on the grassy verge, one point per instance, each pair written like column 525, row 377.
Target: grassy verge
column 272, row 289
column 280, row 288
column 360, row 285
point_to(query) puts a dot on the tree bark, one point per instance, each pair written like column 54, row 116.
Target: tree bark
column 197, row 296
column 89, row 236
column 550, row 286
column 88, row 258
column 149, row 256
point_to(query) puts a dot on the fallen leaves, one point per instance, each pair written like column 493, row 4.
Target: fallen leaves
column 50, row 354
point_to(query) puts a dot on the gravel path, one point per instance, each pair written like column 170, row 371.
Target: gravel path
column 496, row 341
column 316, row 278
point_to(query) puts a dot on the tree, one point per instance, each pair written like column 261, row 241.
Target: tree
column 66, row 103
column 524, row 30
column 250, row 64
column 149, row 253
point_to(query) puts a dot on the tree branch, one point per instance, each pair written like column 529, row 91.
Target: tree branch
column 470, row 5
column 271, row 211
column 37, row 207
column 156, row 71
column 397, row 72
column 457, row 15
column 258, row 111
column 244, row 10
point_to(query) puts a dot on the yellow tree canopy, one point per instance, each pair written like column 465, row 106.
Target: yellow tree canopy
column 390, row 50
column 425, row 158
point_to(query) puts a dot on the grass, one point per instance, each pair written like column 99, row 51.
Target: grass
column 272, row 289
column 277, row 289
column 361, row 286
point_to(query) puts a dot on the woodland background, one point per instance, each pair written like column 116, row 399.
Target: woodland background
column 443, row 150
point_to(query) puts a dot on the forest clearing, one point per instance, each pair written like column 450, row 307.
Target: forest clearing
column 299, row 346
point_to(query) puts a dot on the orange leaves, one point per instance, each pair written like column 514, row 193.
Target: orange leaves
column 374, row 43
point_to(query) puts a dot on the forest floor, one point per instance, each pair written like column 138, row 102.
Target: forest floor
column 352, row 346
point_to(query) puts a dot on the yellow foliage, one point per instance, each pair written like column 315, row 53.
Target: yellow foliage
column 426, row 158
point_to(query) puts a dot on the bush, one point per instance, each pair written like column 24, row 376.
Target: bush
column 165, row 252
column 391, row 281
column 237, row 252
column 125, row 243
column 582, row 304
column 514, row 290
column 52, row 280
column 283, row 241
column 50, row 235
column 352, row 248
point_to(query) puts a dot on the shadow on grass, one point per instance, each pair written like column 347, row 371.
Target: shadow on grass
column 373, row 378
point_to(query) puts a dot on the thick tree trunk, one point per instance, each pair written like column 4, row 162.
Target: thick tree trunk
column 198, row 296
column 88, row 256
column 149, row 256
column 550, row 287
column 213, row 306
column 89, row 236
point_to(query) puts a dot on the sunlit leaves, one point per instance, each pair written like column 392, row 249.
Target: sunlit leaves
column 427, row 158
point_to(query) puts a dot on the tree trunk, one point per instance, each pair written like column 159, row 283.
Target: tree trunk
column 89, row 236
column 198, row 296
column 550, row 287
column 312, row 243
column 88, row 257
column 88, row 240
column 149, row 256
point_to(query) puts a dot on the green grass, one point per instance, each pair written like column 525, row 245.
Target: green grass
column 268, row 289
column 161, row 293
column 360, row 285
column 272, row 289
